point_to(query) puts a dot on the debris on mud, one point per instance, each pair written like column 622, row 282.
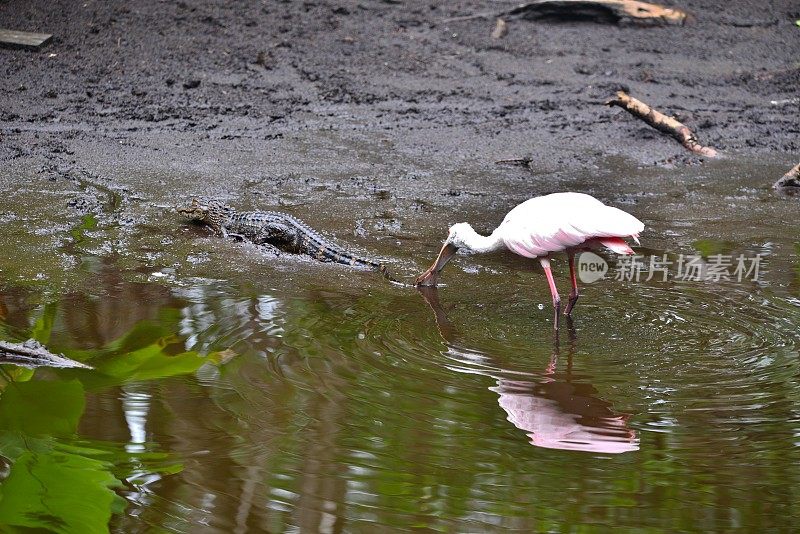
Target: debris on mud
column 514, row 162
column 603, row 11
column 29, row 40
column 500, row 29
column 661, row 122
column 790, row 180
column 614, row 11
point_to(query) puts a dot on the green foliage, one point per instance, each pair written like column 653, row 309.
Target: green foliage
column 50, row 487
column 56, row 484
column 58, row 491
column 88, row 222
column 39, row 408
column 44, row 324
column 150, row 362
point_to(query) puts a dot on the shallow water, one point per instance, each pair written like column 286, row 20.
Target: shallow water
column 285, row 395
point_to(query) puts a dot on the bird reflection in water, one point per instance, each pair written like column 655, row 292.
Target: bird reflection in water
column 557, row 410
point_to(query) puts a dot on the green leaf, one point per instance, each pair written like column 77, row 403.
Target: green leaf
column 44, row 324
column 150, row 362
column 12, row 373
column 42, row 408
column 14, row 444
column 58, row 492
column 88, row 222
column 143, row 334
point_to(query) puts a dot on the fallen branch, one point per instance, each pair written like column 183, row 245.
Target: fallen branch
column 789, row 180
column 613, row 11
column 32, row 354
column 661, row 122
column 600, row 10
column 18, row 39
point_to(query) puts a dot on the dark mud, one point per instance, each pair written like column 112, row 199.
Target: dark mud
column 367, row 119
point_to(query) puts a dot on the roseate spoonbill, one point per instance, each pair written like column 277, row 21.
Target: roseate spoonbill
column 541, row 226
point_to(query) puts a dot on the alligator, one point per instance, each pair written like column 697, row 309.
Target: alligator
column 275, row 230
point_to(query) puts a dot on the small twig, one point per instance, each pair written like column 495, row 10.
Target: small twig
column 521, row 162
column 500, row 29
column 784, row 101
column 661, row 122
column 790, row 179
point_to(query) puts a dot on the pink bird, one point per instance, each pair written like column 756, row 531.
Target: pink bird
column 541, row 226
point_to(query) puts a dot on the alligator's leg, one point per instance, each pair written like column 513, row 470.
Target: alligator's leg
column 218, row 229
column 276, row 235
column 270, row 249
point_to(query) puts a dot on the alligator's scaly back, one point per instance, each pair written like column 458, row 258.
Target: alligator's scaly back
column 293, row 235
column 278, row 229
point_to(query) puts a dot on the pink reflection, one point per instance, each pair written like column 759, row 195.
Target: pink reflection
column 558, row 414
column 558, row 411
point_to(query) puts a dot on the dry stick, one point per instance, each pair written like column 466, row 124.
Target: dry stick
column 32, row 354
column 500, row 29
column 18, row 39
column 661, row 122
column 790, row 179
column 521, row 162
column 611, row 10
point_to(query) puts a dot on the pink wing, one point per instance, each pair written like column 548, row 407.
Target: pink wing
column 555, row 222
column 615, row 244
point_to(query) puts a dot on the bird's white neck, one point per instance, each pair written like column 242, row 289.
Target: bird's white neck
column 474, row 242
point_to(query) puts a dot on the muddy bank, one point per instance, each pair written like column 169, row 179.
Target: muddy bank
column 375, row 121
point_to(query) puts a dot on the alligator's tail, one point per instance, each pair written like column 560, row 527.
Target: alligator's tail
column 384, row 270
column 326, row 252
column 378, row 267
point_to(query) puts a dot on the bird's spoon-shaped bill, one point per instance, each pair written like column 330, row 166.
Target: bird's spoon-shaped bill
column 429, row 277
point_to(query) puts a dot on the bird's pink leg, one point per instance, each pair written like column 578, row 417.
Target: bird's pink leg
column 573, row 294
column 553, row 291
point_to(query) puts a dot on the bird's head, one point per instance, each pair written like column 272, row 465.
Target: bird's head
column 457, row 238
column 459, row 234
